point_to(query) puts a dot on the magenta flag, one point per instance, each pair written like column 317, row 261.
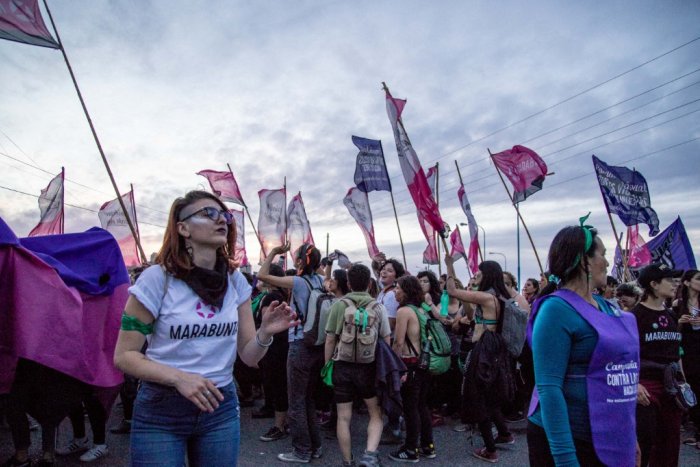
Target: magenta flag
column 272, row 219
column 456, row 246
column 114, row 221
column 639, row 254
column 412, row 170
column 357, row 203
column 430, row 254
column 239, row 253
column 298, row 226
column 21, row 21
column 223, row 185
column 51, row 208
column 524, row 168
column 473, row 256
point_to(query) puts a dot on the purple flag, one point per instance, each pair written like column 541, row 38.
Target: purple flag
column 370, row 167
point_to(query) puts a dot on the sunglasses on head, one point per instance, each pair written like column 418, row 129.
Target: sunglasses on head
column 213, row 214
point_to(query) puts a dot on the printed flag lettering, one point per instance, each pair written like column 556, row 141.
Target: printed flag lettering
column 21, row 21
column 299, row 228
column 272, row 219
column 357, row 203
column 370, row 168
column 524, row 168
column 112, row 219
column 239, row 253
column 223, row 185
column 51, row 208
column 625, row 193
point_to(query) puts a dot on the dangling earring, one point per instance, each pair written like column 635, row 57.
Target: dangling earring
column 189, row 250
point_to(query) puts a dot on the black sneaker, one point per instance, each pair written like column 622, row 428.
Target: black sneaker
column 273, row 434
column 405, row 455
column 427, row 451
column 317, row 453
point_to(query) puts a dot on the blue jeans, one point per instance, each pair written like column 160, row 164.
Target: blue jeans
column 166, row 427
column 303, row 373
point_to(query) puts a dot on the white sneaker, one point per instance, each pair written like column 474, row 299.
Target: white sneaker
column 76, row 445
column 98, row 451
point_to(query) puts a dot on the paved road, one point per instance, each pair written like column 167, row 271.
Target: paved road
column 453, row 448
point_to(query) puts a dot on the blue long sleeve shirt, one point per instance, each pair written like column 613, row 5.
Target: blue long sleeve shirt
column 562, row 345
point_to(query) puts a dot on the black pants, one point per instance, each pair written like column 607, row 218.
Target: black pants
column 96, row 414
column 495, row 416
column 414, row 394
column 273, row 370
column 541, row 456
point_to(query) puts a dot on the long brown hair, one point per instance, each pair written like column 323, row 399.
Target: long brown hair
column 173, row 254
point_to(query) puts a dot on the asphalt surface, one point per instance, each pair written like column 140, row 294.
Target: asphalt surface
column 453, row 448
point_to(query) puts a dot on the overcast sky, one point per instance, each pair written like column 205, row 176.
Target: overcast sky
column 277, row 88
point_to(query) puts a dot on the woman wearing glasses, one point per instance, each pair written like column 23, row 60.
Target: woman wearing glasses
column 194, row 308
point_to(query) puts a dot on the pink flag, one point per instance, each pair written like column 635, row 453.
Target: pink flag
column 357, row 203
column 113, row 221
column 639, row 254
column 21, row 21
column 272, row 221
column 239, row 253
column 51, row 208
column 430, row 254
column 223, row 185
column 411, row 168
column 299, row 228
column 473, row 256
column 432, row 179
column 457, row 247
column 524, row 168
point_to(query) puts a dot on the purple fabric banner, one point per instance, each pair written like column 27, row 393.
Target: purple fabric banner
column 21, row 21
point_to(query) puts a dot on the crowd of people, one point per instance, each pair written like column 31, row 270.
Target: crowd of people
column 602, row 379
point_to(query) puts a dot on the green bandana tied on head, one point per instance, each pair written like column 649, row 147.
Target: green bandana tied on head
column 589, row 242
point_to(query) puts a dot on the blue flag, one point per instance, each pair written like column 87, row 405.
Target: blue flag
column 671, row 247
column 370, row 169
column 626, row 194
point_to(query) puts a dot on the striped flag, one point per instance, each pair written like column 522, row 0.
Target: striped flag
column 457, row 247
column 298, row 226
column 473, row 256
column 21, row 21
column 239, row 253
column 357, row 203
column 112, row 219
column 51, row 208
column 272, row 220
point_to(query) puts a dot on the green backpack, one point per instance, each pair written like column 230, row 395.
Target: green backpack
column 434, row 341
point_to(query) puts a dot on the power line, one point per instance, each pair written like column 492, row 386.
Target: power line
column 73, row 205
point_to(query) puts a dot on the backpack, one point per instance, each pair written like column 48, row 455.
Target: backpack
column 436, row 347
column 513, row 326
column 358, row 339
column 315, row 314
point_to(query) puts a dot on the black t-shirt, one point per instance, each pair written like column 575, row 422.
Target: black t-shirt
column 659, row 338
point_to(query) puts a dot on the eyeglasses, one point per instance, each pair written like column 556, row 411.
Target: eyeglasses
column 213, row 214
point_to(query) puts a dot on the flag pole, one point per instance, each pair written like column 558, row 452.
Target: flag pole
column 328, row 239
column 63, row 199
column 618, row 240
column 437, row 201
column 245, row 208
column 284, row 209
column 517, row 210
column 396, row 216
column 144, row 260
column 94, row 133
column 461, row 183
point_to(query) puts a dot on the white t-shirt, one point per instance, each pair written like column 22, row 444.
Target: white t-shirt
column 388, row 299
column 188, row 334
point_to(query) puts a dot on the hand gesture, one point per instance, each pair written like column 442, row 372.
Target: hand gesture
column 280, row 249
column 449, row 261
column 200, row 391
column 642, row 395
column 277, row 317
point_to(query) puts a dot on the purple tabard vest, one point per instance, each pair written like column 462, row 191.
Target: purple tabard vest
column 611, row 380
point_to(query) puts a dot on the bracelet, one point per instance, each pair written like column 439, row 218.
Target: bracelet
column 264, row 346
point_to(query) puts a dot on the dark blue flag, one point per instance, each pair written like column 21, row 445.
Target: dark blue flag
column 671, row 247
column 370, row 169
column 626, row 194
